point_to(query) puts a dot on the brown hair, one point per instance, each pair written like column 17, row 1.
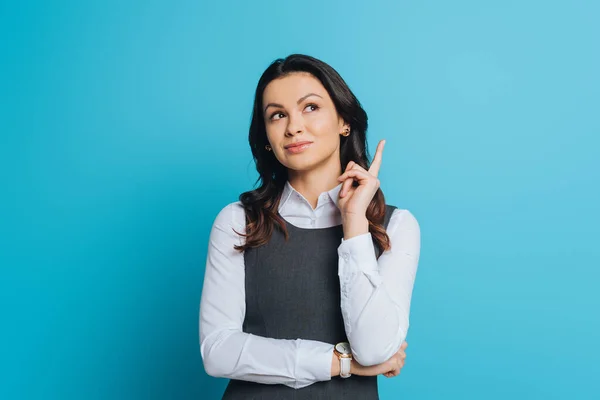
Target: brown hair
column 261, row 204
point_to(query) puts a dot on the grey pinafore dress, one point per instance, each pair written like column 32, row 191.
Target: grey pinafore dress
column 293, row 291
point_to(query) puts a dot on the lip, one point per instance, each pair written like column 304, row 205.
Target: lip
column 297, row 144
column 298, row 147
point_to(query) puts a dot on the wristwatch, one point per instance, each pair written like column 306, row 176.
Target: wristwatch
column 342, row 350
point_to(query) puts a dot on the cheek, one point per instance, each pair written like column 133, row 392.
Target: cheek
column 274, row 132
column 322, row 125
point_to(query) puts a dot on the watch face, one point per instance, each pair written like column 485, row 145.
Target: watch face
column 343, row 347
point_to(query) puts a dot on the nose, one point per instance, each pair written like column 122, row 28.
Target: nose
column 295, row 126
column 291, row 132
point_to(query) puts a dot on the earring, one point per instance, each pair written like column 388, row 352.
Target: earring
column 346, row 132
column 268, row 147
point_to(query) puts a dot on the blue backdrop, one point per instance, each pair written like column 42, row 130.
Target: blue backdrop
column 124, row 132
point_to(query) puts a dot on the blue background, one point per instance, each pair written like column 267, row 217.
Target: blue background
column 124, row 132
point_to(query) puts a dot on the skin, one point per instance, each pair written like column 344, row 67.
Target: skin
column 316, row 169
column 297, row 107
column 389, row 368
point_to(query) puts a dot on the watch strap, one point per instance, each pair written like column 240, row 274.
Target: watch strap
column 345, row 367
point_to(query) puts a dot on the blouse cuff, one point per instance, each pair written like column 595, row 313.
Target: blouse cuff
column 313, row 362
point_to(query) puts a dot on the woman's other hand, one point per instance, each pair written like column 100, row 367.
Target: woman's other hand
column 389, row 368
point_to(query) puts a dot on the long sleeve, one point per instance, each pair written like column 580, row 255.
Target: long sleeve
column 226, row 350
column 376, row 293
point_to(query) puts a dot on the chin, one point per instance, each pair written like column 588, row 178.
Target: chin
column 302, row 165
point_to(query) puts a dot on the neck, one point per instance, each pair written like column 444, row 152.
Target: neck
column 311, row 183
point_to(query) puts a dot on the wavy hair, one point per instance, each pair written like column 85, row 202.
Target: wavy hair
column 261, row 204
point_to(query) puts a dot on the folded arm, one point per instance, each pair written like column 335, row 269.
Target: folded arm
column 226, row 350
column 376, row 293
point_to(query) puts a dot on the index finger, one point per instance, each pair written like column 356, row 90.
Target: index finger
column 376, row 164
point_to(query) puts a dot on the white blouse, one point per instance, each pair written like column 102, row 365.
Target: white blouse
column 375, row 297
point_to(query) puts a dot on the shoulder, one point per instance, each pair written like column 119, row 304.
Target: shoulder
column 232, row 215
column 228, row 226
column 404, row 232
column 403, row 219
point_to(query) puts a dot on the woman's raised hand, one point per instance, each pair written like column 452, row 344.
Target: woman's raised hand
column 354, row 201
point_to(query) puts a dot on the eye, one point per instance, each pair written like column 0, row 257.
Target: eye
column 277, row 113
column 314, row 106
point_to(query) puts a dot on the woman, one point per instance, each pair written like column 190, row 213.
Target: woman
column 308, row 278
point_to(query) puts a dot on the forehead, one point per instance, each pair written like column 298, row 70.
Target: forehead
column 288, row 89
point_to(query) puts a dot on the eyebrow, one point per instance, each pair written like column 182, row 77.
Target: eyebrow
column 300, row 100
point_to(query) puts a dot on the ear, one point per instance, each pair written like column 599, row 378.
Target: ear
column 344, row 126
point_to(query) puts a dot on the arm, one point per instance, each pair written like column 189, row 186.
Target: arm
column 227, row 351
column 376, row 294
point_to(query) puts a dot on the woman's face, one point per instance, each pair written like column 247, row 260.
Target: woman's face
column 297, row 108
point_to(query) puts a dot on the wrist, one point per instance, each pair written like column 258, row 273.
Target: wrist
column 343, row 353
column 355, row 226
column 335, row 365
column 354, row 367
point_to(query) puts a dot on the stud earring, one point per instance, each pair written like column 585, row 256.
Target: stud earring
column 346, row 132
column 268, row 147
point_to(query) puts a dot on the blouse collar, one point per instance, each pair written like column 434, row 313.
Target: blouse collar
column 290, row 194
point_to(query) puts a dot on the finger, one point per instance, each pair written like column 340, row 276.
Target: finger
column 376, row 164
column 347, row 182
column 361, row 168
column 404, row 345
column 349, row 165
column 358, row 166
column 346, row 187
column 353, row 165
column 362, row 176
